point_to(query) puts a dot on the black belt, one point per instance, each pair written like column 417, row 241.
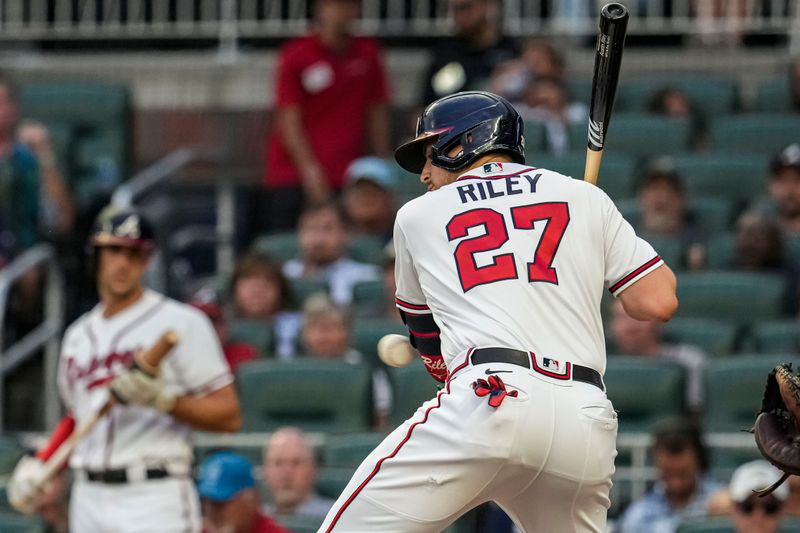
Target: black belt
column 120, row 475
column 526, row 359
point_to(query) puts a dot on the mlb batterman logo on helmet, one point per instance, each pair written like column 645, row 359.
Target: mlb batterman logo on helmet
column 480, row 122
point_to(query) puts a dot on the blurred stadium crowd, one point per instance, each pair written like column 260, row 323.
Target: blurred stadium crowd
column 711, row 179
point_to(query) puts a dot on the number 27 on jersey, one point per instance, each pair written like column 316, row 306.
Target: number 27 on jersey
column 503, row 266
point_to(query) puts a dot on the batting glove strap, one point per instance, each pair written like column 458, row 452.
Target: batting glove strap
column 138, row 387
column 26, row 482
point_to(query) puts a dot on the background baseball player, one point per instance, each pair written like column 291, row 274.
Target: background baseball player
column 132, row 472
column 500, row 270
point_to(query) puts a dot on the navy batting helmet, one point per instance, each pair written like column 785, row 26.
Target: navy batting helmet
column 480, row 122
column 124, row 227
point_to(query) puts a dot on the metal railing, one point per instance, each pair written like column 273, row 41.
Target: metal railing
column 170, row 167
column 46, row 335
column 226, row 20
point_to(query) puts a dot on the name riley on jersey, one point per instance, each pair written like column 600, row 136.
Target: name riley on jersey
column 481, row 190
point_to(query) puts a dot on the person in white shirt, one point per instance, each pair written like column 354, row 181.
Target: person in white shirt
column 323, row 245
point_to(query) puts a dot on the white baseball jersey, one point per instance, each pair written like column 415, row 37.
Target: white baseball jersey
column 95, row 349
column 518, row 257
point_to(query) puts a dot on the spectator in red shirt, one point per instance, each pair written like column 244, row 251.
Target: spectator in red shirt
column 230, row 500
column 236, row 353
column 331, row 94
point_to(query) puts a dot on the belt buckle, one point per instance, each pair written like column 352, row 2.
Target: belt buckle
column 550, row 367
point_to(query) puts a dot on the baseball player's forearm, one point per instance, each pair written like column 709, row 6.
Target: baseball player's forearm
column 652, row 297
column 218, row 411
column 378, row 130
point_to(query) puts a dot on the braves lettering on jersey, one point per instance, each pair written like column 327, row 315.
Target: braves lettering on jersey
column 96, row 349
column 499, row 279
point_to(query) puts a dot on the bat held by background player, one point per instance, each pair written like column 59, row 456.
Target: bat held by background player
column 31, row 475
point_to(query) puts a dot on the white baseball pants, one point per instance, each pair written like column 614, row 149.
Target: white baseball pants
column 546, row 457
column 167, row 505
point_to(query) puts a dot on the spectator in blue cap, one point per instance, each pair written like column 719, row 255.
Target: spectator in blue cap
column 230, row 500
column 369, row 200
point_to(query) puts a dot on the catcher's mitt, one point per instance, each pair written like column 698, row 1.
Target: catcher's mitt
column 777, row 427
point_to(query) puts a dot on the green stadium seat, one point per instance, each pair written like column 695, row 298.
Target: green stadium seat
column 778, row 336
column 408, row 184
column 789, row 525
column 773, row 96
column 708, row 96
column 368, row 331
column 617, row 173
column 369, row 298
column 314, row 394
column 254, row 453
column 792, row 243
column 16, row 523
column 535, row 140
column 256, row 332
column 580, row 90
column 720, row 251
column 739, row 297
column 331, row 480
column 725, row 460
column 279, row 247
column 721, row 524
column 712, row 215
column 366, row 249
column 725, row 525
column 300, row 524
column 644, row 391
column 640, row 135
column 754, row 133
column 715, row 337
column 10, row 453
column 733, row 176
column 412, row 386
column 98, row 117
column 668, row 247
column 303, row 289
column 734, row 387
column 350, row 450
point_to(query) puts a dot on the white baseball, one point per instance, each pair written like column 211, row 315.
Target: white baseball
column 395, row 350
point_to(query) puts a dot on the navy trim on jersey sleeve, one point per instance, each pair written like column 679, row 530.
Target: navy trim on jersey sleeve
column 622, row 284
column 409, row 307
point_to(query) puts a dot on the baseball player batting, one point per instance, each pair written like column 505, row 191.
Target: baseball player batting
column 132, row 469
column 500, row 270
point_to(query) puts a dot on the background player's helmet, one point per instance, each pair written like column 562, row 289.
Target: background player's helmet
column 480, row 122
column 122, row 227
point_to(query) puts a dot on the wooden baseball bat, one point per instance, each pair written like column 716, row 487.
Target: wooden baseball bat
column 607, row 61
column 148, row 361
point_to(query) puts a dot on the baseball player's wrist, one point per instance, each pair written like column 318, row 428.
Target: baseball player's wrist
column 165, row 402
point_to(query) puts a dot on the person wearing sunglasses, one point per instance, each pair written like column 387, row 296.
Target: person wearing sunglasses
column 751, row 513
